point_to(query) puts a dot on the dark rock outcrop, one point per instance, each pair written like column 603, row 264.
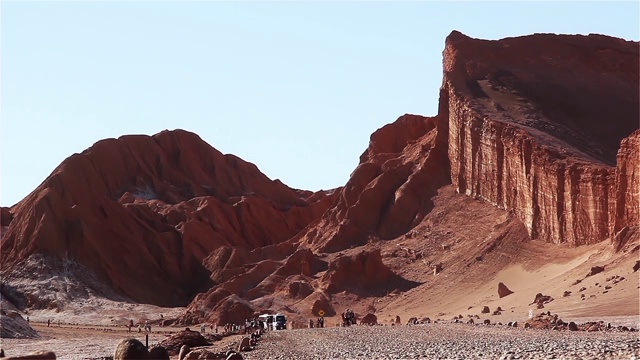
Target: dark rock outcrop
column 174, row 343
column 503, row 290
column 595, row 270
column 369, row 319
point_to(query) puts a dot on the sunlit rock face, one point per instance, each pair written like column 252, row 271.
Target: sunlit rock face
column 143, row 212
column 535, row 123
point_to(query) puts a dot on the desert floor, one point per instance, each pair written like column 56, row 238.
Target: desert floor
column 443, row 340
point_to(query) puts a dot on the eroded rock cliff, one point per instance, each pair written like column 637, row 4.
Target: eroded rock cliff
column 390, row 190
column 143, row 212
column 535, row 123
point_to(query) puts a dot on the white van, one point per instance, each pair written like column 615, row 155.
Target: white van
column 273, row 322
column 267, row 321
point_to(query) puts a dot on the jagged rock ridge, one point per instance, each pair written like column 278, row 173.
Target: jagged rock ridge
column 142, row 212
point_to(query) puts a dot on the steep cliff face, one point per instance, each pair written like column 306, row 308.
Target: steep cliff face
column 534, row 126
column 627, row 212
column 143, row 212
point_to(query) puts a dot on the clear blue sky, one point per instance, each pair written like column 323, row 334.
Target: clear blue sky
column 296, row 88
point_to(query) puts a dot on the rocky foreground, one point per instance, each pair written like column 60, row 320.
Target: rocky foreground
column 444, row 341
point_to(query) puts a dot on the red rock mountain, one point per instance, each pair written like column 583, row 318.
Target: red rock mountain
column 539, row 132
column 143, row 212
column 535, row 123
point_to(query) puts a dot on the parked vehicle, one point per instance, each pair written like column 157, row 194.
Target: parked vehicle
column 267, row 321
column 273, row 322
column 280, row 322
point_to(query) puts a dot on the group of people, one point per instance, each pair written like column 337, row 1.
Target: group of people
column 319, row 323
column 348, row 317
column 252, row 325
column 147, row 326
column 203, row 328
column 49, row 322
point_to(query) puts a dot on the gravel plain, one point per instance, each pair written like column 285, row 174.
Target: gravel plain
column 444, row 341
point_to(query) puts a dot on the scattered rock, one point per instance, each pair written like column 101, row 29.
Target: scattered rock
column 595, row 270
column 371, row 319
column 636, row 267
column 503, row 290
column 485, row 310
column 541, row 300
column 566, row 293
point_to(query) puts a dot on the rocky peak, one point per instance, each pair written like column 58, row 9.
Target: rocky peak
column 144, row 211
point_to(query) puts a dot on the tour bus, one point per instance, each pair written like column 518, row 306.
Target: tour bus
column 273, row 322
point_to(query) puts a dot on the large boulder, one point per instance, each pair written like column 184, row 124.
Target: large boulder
column 321, row 305
column 369, row 319
column 503, row 290
column 186, row 337
column 363, row 273
column 595, row 270
column 130, row 349
column 14, row 326
column 158, row 353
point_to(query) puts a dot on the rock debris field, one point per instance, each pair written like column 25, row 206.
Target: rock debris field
column 444, row 341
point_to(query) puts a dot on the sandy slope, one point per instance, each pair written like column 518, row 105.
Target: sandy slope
column 526, row 267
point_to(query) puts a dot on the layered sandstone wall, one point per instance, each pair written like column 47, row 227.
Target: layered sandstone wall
column 627, row 206
column 559, row 200
column 553, row 169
